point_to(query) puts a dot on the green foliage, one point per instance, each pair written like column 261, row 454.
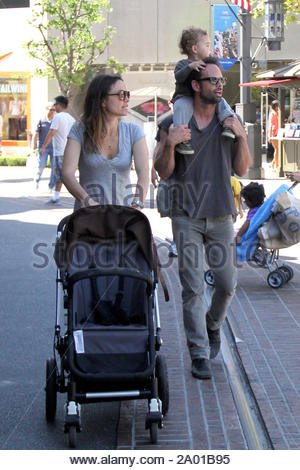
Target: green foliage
column 291, row 10
column 68, row 46
column 13, row 160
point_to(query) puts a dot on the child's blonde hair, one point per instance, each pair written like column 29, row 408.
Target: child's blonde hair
column 189, row 38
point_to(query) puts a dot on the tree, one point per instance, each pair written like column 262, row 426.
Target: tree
column 291, row 10
column 67, row 46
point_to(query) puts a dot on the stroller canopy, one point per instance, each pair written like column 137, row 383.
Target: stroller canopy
column 97, row 224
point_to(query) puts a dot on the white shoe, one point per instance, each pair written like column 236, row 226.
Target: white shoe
column 53, row 200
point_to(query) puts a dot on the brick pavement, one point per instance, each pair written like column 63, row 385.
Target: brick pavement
column 202, row 414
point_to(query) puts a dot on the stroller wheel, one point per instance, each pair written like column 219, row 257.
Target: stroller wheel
column 209, row 277
column 287, row 271
column 259, row 257
column 153, row 432
column 275, row 279
column 161, row 372
column 51, row 389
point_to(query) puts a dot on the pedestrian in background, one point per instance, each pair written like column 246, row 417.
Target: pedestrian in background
column 58, row 133
column 38, row 140
column 273, row 131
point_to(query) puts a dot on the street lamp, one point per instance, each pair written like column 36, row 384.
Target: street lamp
column 274, row 27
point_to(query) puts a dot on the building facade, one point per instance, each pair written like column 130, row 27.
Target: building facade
column 146, row 43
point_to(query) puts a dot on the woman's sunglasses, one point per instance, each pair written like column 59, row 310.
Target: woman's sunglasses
column 122, row 94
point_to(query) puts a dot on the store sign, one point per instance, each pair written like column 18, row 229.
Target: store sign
column 225, row 34
column 13, row 88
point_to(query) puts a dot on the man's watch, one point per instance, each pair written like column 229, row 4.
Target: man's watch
column 137, row 203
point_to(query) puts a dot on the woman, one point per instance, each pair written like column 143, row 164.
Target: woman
column 273, row 131
column 101, row 145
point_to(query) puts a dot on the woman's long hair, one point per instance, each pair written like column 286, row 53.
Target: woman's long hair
column 94, row 113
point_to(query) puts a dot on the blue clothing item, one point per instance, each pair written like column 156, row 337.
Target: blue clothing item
column 42, row 165
column 249, row 239
column 43, row 129
column 107, row 180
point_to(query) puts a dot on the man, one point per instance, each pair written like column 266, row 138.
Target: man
column 202, row 209
column 59, row 130
column 38, row 141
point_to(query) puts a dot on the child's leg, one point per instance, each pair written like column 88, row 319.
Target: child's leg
column 183, row 110
column 224, row 110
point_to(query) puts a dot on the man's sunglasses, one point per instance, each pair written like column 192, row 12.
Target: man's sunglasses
column 122, row 94
column 215, row 80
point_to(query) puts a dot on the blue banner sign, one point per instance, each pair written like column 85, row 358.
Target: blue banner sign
column 225, row 34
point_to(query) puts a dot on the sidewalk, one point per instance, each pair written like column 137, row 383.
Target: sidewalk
column 266, row 321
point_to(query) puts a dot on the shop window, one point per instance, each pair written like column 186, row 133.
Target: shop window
column 14, row 106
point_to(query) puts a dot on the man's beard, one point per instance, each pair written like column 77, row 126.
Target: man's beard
column 210, row 99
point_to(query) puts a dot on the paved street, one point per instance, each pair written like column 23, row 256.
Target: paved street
column 202, row 414
column 27, row 310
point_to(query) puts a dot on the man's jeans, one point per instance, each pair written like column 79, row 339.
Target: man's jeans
column 42, row 165
column 217, row 235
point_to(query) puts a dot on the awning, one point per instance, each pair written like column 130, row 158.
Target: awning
column 291, row 70
column 4, row 55
column 286, row 82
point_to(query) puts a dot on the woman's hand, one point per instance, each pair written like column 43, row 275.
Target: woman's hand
column 294, row 176
column 88, row 201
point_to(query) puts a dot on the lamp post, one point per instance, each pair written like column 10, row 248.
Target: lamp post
column 274, row 26
column 247, row 109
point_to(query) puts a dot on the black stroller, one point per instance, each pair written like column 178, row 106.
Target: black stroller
column 106, row 281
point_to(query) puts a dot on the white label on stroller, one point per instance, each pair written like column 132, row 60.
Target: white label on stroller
column 79, row 342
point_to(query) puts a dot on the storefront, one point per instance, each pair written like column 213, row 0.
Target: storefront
column 288, row 136
column 14, row 108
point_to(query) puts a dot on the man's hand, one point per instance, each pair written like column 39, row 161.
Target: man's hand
column 42, row 151
column 197, row 65
column 178, row 134
column 235, row 125
column 154, row 177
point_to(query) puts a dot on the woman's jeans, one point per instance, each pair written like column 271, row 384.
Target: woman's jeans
column 216, row 235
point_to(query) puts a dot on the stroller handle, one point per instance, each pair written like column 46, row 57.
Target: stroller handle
column 293, row 185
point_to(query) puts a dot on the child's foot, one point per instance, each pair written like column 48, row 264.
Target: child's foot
column 228, row 133
column 185, row 148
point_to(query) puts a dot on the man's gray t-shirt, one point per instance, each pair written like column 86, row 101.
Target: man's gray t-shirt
column 200, row 183
column 106, row 180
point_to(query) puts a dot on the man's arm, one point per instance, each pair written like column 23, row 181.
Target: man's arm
column 48, row 140
column 243, row 158
column 34, row 141
column 165, row 158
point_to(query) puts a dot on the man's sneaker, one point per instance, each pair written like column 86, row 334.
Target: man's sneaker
column 228, row 133
column 173, row 250
column 214, row 342
column 53, row 200
column 201, row 369
column 185, row 148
